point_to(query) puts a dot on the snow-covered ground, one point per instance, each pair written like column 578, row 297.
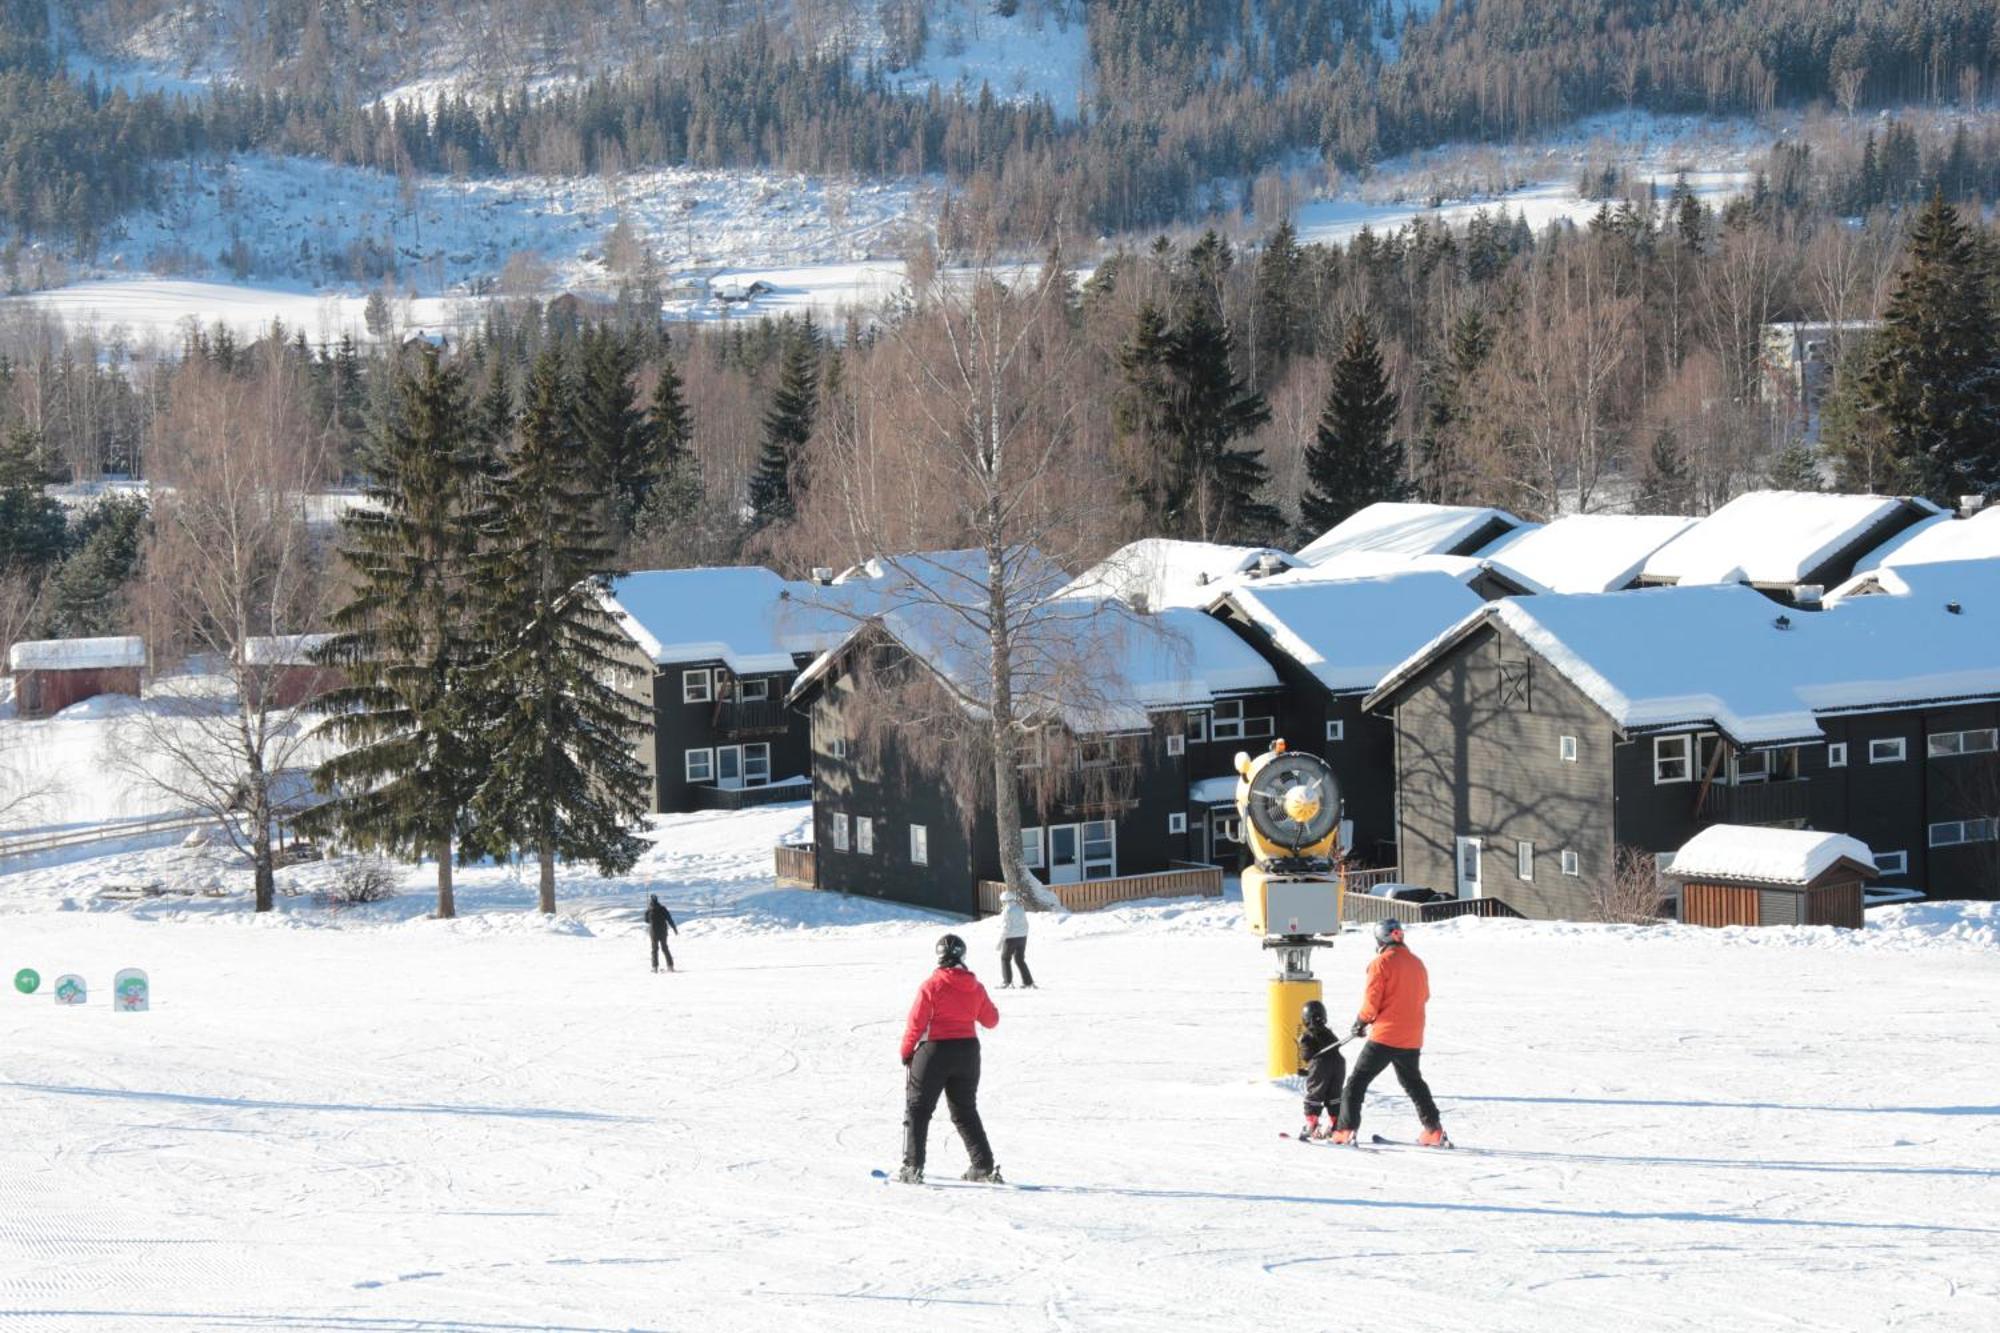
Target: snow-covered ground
column 1041, row 50
column 365, row 1118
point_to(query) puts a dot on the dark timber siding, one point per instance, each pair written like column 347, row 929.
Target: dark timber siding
column 1478, row 755
column 680, row 727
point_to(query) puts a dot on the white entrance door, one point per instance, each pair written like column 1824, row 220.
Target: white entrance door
column 729, row 766
column 1468, row 868
column 1065, row 859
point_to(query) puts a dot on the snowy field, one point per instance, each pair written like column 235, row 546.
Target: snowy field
column 367, row 1119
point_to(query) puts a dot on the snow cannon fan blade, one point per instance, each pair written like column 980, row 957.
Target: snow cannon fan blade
column 1294, row 801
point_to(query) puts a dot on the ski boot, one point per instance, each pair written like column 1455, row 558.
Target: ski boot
column 1342, row 1137
column 909, row 1175
column 1433, row 1138
column 990, row 1176
column 1312, row 1129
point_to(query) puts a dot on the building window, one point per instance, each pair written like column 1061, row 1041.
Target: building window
column 1336, row 730
column 1886, row 751
column 837, row 747
column 1031, row 848
column 757, row 764
column 838, row 824
column 1836, row 754
column 1673, row 759
column 754, row 690
column 696, row 687
column 1570, row 863
column 1892, row 863
column 920, row 845
column 1176, row 744
column 1100, row 850
column 1947, row 743
column 1197, row 728
column 1034, row 749
column 1567, row 748
column 700, row 765
column 864, row 835
column 1953, row 832
column 1232, row 723
column 1524, row 860
column 1177, row 822
column 1098, row 753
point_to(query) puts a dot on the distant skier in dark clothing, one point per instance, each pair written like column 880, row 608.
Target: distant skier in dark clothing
column 941, row 1051
column 1392, row 1017
column 1324, row 1068
column 658, row 922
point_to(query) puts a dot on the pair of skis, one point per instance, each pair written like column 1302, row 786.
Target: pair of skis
column 1374, row 1140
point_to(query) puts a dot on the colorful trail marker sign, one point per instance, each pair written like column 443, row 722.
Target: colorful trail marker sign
column 27, row 981
column 69, row 989
column 130, row 992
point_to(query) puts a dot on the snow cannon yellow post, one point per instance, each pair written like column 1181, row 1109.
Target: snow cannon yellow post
column 1288, row 805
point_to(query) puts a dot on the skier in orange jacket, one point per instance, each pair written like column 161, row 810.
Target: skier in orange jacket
column 1392, row 1017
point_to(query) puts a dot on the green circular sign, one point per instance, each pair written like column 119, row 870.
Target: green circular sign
column 27, row 980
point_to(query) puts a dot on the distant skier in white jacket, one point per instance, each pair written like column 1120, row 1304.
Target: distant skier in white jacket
column 1013, row 942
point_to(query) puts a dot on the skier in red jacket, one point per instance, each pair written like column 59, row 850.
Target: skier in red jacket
column 942, row 1054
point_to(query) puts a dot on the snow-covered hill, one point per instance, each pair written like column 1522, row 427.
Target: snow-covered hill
column 370, row 1119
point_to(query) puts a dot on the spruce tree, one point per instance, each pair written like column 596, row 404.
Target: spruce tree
column 1794, row 468
column 610, row 428
column 85, row 595
column 1214, row 484
column 1668, row 484
column 1441, row 477
column 31, row 523
column 787, row 426
column 405, row 639
column 1280, row 303
column 669, row 421
column 1354, row 460
column 1933, row 384
column 562, row 774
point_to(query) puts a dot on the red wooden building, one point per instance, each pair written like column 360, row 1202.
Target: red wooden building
column 51, row 674
column 284, row 665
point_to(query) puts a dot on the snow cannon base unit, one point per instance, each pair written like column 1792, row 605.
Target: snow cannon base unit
column 1288, row 805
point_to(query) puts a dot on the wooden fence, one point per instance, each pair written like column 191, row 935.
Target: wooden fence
column 797, row 868
column 742, row 798
column 161, row 827
column 1185, row 880
column 1363, row 907
column 1364, row 881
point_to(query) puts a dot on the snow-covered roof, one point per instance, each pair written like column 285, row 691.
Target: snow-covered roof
column 1159, row 572
column 1939, row 538
column 1213, row 791
column 1351, row 632
column 744, row 616
column 1467, row 569
column 283, row 649
column 1586, row 552
column 1771, row 538
column 1410, row 529
column 1778, row 855
column 1725, row 655
column 123, row 650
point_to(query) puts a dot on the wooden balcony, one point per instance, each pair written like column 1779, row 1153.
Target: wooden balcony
column 1783, row 802
column 750, row 717
column 1184, row 880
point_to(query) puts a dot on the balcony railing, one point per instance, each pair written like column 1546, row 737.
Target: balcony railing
column 751, row 717
column 1185, row 880
column 1756, row 803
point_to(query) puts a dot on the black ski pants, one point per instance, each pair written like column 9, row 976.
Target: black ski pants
column 1013, row 950
column 1323, row 1078
column 660, row 947
column 1374, row 1058
column 951, row 1069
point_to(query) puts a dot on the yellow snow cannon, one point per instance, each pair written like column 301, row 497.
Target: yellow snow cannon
column 1288, row 810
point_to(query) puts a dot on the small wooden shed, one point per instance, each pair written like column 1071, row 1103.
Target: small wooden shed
column 285, row 665
column 1741, row 875
column 51, row 674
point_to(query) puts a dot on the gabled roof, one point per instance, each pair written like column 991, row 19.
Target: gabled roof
column 1726, row 656
column 1411, row 529
column 1938, row 582
column 123, row 650
column 1776, row 539
column 1351, row 632
column 1467, row 569
column 744, row 616
column 1937, row 539
column 283, row 649
column 1158, row 572
column 1744, row 853
column 1586, row 552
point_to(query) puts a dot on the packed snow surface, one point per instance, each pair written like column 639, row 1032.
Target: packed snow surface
column 368, row 1119
column 1782, row 855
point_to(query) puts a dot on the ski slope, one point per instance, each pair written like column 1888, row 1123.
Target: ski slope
column 371, row 1120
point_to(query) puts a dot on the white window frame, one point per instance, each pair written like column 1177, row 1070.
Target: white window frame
column 1566, row 749
column 1033, row 857
column 1661, row 746
column 836, row 748
column 1176, row 744
column 1096, row 752
column 697, row 687
column 1888, row 750
column 1223, row 727
column 755, row 689
column 1960, row 832
column 759, row 751
column 837, row 824
column 1572, row 864
column 707, row 756
column 1836, row 754
column 1336, row 729
column 1900, row 866
column 1524, row 861
column 1177, row 821
column 1034, row 748
column 864, row 835
column 1197, row 726
column 920, row 845
column 1949, row 744
column 1085, row 861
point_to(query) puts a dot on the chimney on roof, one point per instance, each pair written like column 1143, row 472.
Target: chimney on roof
column 1201, row 579
column 1968, row 505
column 1953, row 608
column 1269, row 563
column 823, row 575
column 1807, row 595
column 1783, row 622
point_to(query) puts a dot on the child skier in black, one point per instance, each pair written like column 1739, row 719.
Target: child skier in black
column 1323, row 1066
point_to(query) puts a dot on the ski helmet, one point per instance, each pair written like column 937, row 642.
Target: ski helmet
column 950, row 951
column 1388, row 931
column 1313, row 1015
